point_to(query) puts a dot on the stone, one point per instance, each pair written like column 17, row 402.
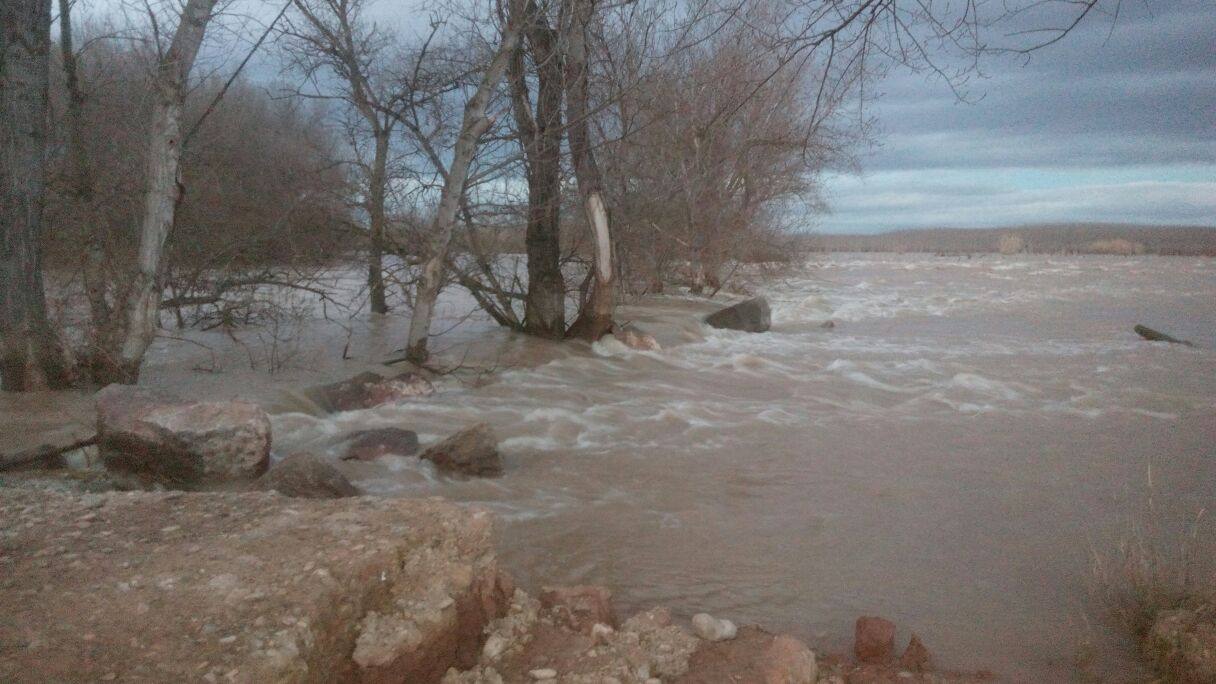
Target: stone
column 710, row 628
column 369, row 445
column 307, row 476
column 655, row 618
column 473, row 451
column 874, row 640
column 579, row 608
column 754, row 656
column 156, row 439
column 916, row 657
column 1182, row 645
column 635, row 338
column 827, row 325
column 543, row 673
column 751, row 315
column 363, row 589
column 368, row 390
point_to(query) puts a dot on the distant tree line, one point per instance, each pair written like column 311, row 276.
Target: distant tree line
column 1076, row 238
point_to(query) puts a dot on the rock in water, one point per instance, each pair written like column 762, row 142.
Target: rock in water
column 916, row 657
column 710, row 628
column 1158, row 336
column 579, row 608
column 368, row 390
column 752, row 315
column 638, row 339
column 307, row 476
column 158, row 439
column 473, row 451
column 874, row 640
column 368, row 445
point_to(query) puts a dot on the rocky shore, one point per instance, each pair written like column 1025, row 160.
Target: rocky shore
column 259, row 587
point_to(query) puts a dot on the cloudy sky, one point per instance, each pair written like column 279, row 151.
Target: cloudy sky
column 1115, row 123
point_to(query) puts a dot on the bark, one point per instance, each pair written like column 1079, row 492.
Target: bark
column 541, row 137
column 163, row 190
column 595, row 317
column 31, row 355
column 474, row 123
column 377, row 180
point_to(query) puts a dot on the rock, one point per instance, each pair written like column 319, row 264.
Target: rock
column 710, row 628
column 543, row 673
column 874, row 640
column 827, row 325
column 751, row 315
column 368, row 390
column 307, row 476
column 579, row 608
column 473, row 451
column 368, row 445
column 635, row 338
column 916, row 657
column 655, row 618
column 186, row 587
column 1182, row 645
column 754, row 656
column 159, row 440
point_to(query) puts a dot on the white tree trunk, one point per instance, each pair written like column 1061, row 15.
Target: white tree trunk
column 163, row 189
column 472, row 126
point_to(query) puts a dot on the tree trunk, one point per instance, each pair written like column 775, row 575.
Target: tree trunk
column 376, row 218
column 31, row 355
column 541, row 139
column 595, row 318
column 163, row 188
column 474, row 123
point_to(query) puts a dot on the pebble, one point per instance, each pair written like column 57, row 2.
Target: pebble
column 710, row 628
column 543, row 673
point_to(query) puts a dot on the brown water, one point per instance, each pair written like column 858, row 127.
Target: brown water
column 947, row 456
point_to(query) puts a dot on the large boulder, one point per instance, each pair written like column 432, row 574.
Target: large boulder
column 473, row 451
column 156, row 439
column 368, row 390
column 369, row 445
column 874, row 640
column 307, row 476
column 248, row 588
column 751, row 315
column 754, row 656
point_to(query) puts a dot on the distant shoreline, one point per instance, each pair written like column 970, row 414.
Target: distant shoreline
column 1074, row 238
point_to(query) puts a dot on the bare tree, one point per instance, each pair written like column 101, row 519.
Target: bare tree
column 474, row 124
column 332, row 35
column 540, row 135
column 31, row 355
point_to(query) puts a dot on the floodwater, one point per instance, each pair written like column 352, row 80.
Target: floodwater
column 949, row 455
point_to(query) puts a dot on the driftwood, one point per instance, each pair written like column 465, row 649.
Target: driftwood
column 1156, row 336
column 45, row 455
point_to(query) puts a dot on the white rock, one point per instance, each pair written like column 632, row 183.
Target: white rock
column 600, row 632
column 710, row 628
column 543, row 673
column 494, row 647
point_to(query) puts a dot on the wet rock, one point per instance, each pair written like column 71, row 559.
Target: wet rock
column 369, row 445
column 185, row 587
column 473, row 451
column 156, row 439
column 751, row 315
column 710, row 628
column 634, row 338
column 916, row 657
column 579, row 608
column 1182, row 645
column 874, row 640
column 754, row 656
column 827, row 325
column 307, row 476
column 368, row 390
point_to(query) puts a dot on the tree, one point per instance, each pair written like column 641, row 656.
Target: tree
column 474, row 124
column 31, row 355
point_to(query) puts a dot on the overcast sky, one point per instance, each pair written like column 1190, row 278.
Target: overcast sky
column 1115, row 123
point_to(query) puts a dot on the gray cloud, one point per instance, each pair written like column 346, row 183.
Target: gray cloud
column 1135, row 96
